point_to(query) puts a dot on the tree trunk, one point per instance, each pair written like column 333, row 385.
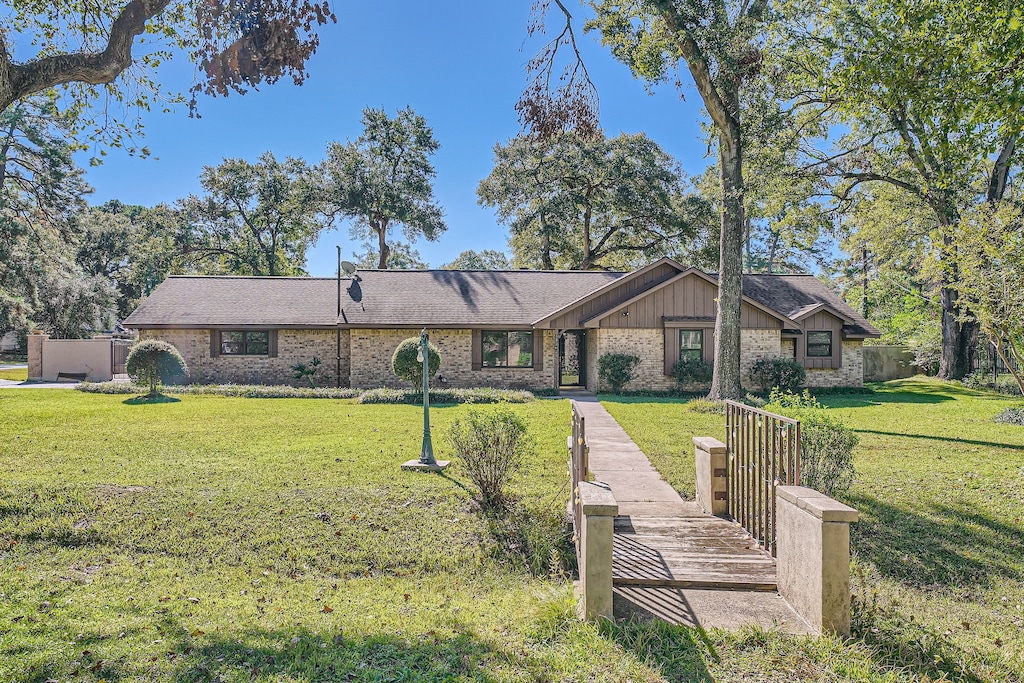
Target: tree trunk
column 385, row 250
column 725, row 382
column 959, row 339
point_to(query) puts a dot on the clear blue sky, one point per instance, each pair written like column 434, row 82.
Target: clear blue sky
column 457, row 63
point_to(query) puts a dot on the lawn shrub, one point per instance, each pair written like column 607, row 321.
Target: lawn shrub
column 692, row 371
column 1004, row 384
column 307, row 371
column 491, row 445
column 705, row 406
column 785, row 373
column 407, row 367
column 826, row 443
column 412, row 397
column 151, row 362
column 616, row 369
column 1011, row 416
column 234, row 390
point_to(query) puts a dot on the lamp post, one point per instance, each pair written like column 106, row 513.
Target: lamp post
column 427, row 452
column 426, row 462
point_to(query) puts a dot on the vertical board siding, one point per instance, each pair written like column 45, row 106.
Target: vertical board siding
column 822, row 321
column 616, row 295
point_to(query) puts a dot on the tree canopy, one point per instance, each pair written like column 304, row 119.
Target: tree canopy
column 385, row 178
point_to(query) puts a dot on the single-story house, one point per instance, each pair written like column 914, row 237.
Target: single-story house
column 509, row 329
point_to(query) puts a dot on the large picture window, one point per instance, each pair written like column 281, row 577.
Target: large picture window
column 512, row 349
column 819, row 344
column 245, row 343
column 691, row 344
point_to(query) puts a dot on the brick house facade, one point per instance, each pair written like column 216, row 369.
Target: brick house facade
column 504, row 329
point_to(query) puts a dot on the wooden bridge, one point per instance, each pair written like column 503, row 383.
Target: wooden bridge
column 670, row 559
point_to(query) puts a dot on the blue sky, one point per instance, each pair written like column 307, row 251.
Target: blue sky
column 457, row 63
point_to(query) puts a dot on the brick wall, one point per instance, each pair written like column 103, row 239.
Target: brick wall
column 850, row 375
column 293, row 346
column 646, row 343
column 754, row 345
column 371, row 352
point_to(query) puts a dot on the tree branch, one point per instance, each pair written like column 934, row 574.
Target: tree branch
column 95, row 68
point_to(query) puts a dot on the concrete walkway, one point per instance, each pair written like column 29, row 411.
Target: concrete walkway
column 671, row 560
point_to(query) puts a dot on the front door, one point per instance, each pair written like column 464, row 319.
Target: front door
column 572, row 361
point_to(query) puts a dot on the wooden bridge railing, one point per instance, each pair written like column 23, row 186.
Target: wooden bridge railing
column 763, row 453
column 579, row 469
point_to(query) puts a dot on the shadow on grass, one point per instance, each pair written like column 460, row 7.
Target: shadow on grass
column 147, row 400
column 947, row 439
column 951, row 547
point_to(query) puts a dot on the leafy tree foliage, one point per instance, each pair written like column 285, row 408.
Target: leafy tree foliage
column 152, row 361
column 990, row 262
column 486, row 259
column 385, row 178
column 87, row 48
column 929, row 93
column 255, row 219
column 41, row 191
column 590, row 203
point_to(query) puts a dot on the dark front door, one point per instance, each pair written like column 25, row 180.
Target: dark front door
column 572, row 358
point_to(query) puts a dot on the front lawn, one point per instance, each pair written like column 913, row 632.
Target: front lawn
column 15, row 374
column 939, row 550
column 234, row 539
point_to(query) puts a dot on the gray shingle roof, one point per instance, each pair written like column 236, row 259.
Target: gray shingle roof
column 792, row 295
column 377, row 298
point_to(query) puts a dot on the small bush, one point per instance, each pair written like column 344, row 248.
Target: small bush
column 307, row 371
column 405, row 365
column 1011, row 416
column 705, row 406
column 826, row 443
column 785, row 373
column 616, row 369
column 151, row 362
column 491, row 445
column 692, row 371
column 1004, row 384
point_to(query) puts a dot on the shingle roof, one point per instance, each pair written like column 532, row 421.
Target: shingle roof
column 378, row 298
column 792, row 295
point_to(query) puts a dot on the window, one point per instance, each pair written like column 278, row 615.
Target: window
column 238, row 343
column 507, row 349
column 691, row 344
column 819, row 344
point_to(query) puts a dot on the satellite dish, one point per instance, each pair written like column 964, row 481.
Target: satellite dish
column 348, row 268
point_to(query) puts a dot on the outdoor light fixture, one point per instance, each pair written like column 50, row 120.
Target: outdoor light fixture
column 427, row 461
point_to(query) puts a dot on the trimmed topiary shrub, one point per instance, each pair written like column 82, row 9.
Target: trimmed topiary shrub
column 826, row 443
column 491, row 445
column 616, row 369
column 151, row 362
column 405, row 365
column 692, row 371
column 785, row 373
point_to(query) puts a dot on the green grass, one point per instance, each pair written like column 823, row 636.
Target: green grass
column 16, row 374
column 233, row 539
column 939, row 551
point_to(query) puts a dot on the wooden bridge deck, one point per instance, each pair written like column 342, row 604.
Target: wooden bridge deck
column 670, row 559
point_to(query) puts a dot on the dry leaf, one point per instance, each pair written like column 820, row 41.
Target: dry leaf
column 326, row 610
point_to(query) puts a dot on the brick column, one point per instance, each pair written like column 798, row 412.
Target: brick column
column 35, row 355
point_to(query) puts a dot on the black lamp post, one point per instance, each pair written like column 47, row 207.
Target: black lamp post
column 427, row 452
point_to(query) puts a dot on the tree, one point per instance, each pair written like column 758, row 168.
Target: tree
column 990, row 262
column 486, row 259
column 718, row 43
column 152, row 361
column 385, row 178
column 401, row 256
column 930, row 103
column 590, row 203
column 255, row 219
column 41, row 193
column 88, row 50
